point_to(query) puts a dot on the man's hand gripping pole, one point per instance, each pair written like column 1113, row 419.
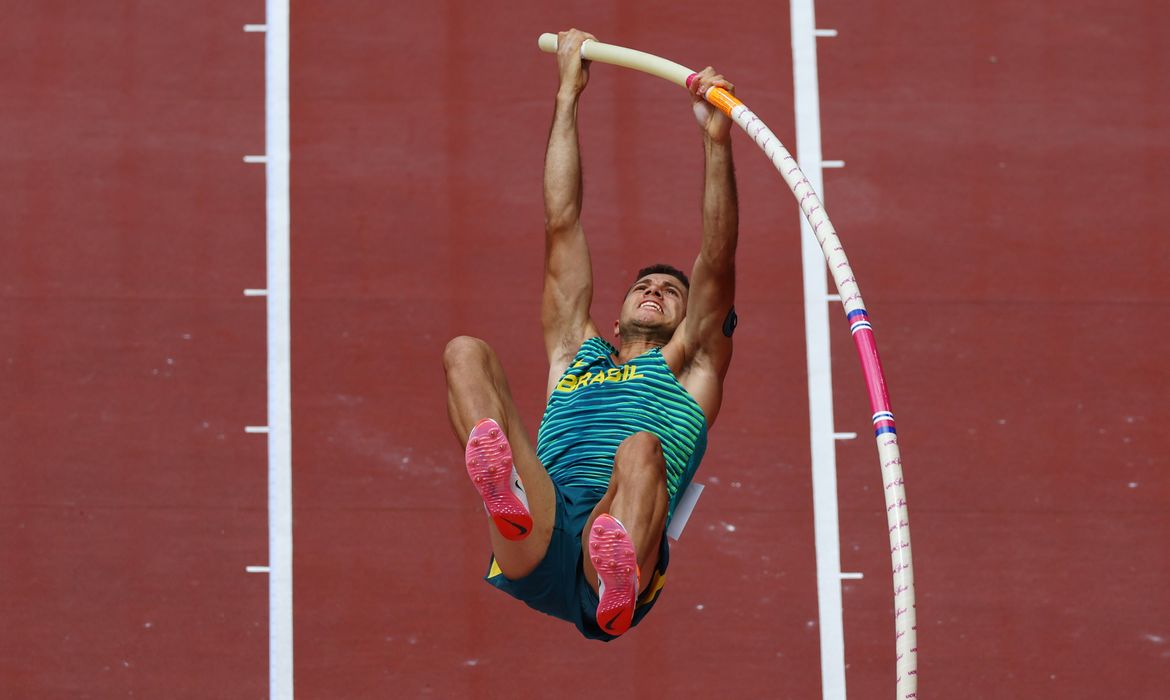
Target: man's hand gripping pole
column 680, row 75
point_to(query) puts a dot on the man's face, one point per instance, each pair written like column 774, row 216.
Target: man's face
column 655, row 305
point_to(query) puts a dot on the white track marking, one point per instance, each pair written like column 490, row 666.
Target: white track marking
column 826, row 528
column 255, row 159
column 255, row 292
column 256, row 569
column 256, row 429
column 280, row 535
column 255, row 27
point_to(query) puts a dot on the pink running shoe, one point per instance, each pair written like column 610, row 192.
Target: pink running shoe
column 612, row 553
column 489, row 464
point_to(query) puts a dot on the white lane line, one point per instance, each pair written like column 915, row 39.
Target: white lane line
column 255, row 27
column 280, row 532
column 256, row 569
column 255, row 292
column 826, row 527
column 255, row 159
column 256, row 429
column 825, row 32
column 849, row 575
column 844, row 436
column 833, row 164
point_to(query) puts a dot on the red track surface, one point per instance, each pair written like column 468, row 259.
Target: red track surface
column 1003, row 205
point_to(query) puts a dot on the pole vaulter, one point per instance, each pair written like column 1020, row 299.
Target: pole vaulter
column 885, row 433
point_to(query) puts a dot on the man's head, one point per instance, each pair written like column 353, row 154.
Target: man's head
column 654, row 306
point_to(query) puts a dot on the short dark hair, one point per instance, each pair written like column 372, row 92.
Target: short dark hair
column 664, row 269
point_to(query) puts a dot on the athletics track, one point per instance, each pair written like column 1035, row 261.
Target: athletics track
column 1003, row 202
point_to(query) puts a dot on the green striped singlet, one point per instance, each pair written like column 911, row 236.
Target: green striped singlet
column 598, row 403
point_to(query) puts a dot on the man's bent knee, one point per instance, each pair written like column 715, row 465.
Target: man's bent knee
column 464, row 348
column 643, row 445
column 641, row 454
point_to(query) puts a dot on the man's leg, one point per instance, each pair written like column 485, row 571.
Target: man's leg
column 637, row 497
column 477, row 389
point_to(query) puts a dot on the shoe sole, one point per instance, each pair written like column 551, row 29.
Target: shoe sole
column 489, row 464
column 613, row 556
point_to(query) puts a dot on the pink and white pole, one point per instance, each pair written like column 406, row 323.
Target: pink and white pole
column 885, row 433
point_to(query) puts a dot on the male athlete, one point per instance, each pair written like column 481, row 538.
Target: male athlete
column 578, row 525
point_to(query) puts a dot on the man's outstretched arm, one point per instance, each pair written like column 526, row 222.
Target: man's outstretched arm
column 568, row 274
column 707, row 339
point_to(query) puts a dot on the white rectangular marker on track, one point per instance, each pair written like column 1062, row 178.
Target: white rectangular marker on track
column 682, row 512
column 826, row 529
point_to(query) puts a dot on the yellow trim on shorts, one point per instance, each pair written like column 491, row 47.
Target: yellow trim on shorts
column 656, row 585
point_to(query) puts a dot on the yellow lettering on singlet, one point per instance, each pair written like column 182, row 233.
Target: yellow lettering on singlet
column 631, row 372
column 572, row 382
